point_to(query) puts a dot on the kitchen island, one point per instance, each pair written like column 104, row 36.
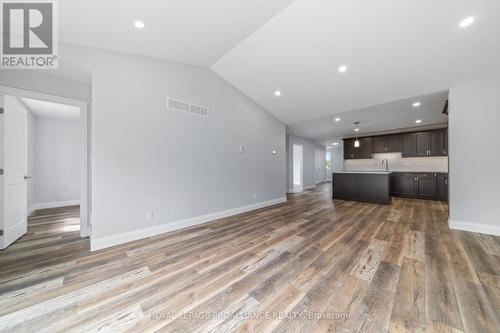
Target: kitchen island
column 365, row 186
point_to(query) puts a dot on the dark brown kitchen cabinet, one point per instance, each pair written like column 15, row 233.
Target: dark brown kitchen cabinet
column 439, row 142
column 413, row 144
column 347, row 148
column 426, row 185
column 379, row 144
column 442, row 186
column 420, row 185
column 426, row 143
column 386, row 144
column 423, row 142
column 408, row 185
column 394, row 144
column 364, row 151
column 445, row 133
column 395, row 184
column 410, row 145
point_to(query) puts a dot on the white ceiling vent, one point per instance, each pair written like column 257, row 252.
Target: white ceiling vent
column 176, row 105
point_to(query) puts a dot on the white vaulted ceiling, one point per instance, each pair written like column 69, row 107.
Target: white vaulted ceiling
column 196, row 32
column 393, row 49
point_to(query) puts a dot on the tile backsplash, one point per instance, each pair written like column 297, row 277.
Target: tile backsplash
column 397, row 163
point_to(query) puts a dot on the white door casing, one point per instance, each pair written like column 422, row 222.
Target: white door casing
column 85, row 198
column 298, row 172
column 320, row 165
column 15, row 157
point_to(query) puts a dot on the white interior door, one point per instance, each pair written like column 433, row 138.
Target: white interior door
column 15, row 122
column 316, row 167
column 298, row 172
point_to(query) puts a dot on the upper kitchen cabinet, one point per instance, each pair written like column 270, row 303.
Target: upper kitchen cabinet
column 423, row 140
column 413, row 144
column 386, row 144
column 364, row 151
column 378, row 144
column 410, row 145
column 425, row 143
column 439, row 142
column 394, row 143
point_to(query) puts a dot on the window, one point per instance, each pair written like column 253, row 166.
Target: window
column 328, row 160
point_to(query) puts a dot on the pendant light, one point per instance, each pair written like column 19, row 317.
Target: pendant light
column 356, row 129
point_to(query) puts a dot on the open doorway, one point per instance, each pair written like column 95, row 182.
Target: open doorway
column 320, row 165
column 44, row 164
column 298, row 172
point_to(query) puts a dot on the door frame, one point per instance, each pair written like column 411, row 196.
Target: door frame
column 320, row 165
column 85, row 187
column 298, row 188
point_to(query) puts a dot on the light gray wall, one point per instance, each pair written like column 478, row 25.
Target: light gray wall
column 146, row 157
column 474, row 155
column 57, row 167
column 309, row 147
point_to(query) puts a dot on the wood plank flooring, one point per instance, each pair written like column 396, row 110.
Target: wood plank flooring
column 308, row 265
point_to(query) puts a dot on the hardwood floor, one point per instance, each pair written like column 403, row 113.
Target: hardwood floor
column 332, row 266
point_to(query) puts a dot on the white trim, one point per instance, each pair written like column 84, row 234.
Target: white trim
column 30, row 210
column 54, row 204
column 86, row 192
column 488, row 229
column 305, row 188
column 107, row 241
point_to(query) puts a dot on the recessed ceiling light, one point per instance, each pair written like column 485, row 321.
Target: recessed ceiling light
column 277, row 93
column 416, row 104
column 342, row 68
column 139, row 24
column 466, row 22
column 337, row 119
column 418, row 121
column 335, row 143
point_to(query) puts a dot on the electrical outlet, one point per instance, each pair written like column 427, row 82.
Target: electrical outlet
column 255, row 196
column 149, row 215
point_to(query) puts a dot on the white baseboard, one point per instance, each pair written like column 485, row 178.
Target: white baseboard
column 305, row 188
column 44, row 205
column 488, row 229
column 107, row 241
column 30, row 210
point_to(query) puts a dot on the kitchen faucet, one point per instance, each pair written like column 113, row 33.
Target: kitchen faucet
column 386, row 164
